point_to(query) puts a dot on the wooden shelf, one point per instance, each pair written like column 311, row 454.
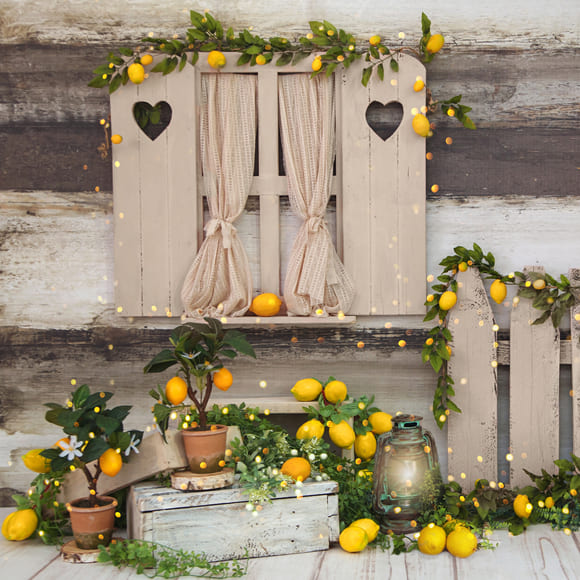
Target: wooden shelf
column 286, row 321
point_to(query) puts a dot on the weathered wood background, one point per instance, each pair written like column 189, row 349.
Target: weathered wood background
column 511, row 186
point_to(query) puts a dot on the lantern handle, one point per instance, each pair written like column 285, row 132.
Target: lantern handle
column 378, row 483
column 433, row 458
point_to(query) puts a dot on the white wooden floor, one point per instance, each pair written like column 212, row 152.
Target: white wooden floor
column 539, row 553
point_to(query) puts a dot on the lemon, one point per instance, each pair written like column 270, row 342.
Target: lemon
column 306, row 390
column 374, row 40
column 432, row 540
column 342, row 434
column 539, row 284
column 447, row 300
column 498, row 291
column 116, row 139
column 297, row 468
column 223, row 379
column 19, row 525
column 310, row 429
column 216, row 59
column 522, row 506
column 176, row 390
column 461, row 542
column 421, row 125
column 335, row 392
column 353, row 539
column 136, row 73
column 365, row 445
column 435, row 43
column 146, row 59
column 36, row 462
column 462, row 267
column 369, row 526
column 266, row 304
column 418, row 86
column 261, row 59
column 380, row 422
column 110, row 462
column 317, row 64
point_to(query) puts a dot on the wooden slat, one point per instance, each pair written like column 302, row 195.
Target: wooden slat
column 268, row 168
column 472, row 435
column 128, row 259
column 574, row 277
column 183, row 201
column 384, row 195
column 534, row 392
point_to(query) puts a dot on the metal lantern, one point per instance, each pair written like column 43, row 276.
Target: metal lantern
column 404, row 456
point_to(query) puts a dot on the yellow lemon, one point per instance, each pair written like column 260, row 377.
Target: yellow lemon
column 462, row 266
column 261, row 59
column 365, row 445
column 116, row 139
column 223, row 379
column 369, row 526
column 146, row 59
column 461, row 542
column 310, row 429
column 374, row 40
column 550, row 502
column 421, row 125
column 447, row 300
column 176, row 390
column 136, row 73
column 36, row 462
column 306, row 390
column 498, row 291
column 353, row 539
column 432, row 540
column 335, row 392
column 297, row 468
column 342, row 434
column 317, row 64
column 380, row 422
column 435, row 43
column 522, row 506
column 266, row 304
column 539, row 284
column 216, row 59
column 19, row 525
column 110, row 462
column 419, row 86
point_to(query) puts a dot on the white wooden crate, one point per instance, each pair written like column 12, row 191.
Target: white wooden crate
column 218, row 524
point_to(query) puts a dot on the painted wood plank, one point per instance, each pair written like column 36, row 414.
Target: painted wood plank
column 534, row 391
column 472, row 435
column 268, row 169
column 269, row 321
column 127, row 218
column 183, row 201
column 574, row 277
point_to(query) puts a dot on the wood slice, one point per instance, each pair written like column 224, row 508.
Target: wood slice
column 70, row 552
column 189, row 481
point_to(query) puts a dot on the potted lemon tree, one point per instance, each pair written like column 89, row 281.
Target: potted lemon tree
column 95, row 442
column 198, row 350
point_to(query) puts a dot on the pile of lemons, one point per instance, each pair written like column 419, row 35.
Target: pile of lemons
column 459, row 540
column 358, row 535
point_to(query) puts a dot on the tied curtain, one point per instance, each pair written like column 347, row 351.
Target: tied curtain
column 219, row 280
column 316, row 278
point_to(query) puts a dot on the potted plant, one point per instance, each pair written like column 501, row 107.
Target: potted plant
column 197, row 350
column 96, row 443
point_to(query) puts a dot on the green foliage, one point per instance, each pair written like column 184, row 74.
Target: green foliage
column 198, row 350
column 158, row 561
column 91, row 429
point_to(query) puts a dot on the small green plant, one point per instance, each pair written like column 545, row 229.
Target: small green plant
column 197, row 349
column 92, row 432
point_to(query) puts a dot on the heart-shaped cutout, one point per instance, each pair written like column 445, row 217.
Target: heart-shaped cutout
column 384, row 120
column 152, row 119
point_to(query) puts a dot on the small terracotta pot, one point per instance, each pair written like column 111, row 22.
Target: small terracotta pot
column 205, row 449
column 92, row 526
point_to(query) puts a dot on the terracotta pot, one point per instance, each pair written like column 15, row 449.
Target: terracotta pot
column 92, row 526
column 205, row 449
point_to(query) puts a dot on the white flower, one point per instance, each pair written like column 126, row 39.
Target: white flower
column 71, row 449
column 132, row 445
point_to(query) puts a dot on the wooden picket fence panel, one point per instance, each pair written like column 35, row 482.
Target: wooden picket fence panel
column 534, row 355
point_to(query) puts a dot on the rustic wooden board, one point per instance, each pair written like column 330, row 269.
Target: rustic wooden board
column 574, row 277
column 472, row 434
column 188, row 481
column 534, row 392
column 383, row 195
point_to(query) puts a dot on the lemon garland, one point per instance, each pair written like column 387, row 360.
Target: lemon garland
column 334, row 47
column 552, row 297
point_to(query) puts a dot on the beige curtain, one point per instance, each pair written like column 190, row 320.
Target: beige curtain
column 219, row 281
column 316, row 278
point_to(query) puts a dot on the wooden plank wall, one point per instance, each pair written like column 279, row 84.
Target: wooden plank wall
column 510, row 186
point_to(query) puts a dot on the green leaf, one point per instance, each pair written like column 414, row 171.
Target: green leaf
column 94, row 449
column 366, row 75
column 381, row 72
column 330, row 68
column 425, row 24
column 315, row 26
column 115, row 84
column 468, row 123
column 126, row 51
column 120, row 413
column 284, row 59
column 107, row 423
column 452, row 406
column 182, row 61
column 194, row 58
column 564, row 464
column 244, row 59
column 161, row 361
column 394, row 65
column 196, row 18
column 436, row 362
column 254, row 49
column 80, row 396
column 542, row 318
column 98, row 82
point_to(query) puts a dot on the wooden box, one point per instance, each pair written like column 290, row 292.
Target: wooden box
column 218, row 524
